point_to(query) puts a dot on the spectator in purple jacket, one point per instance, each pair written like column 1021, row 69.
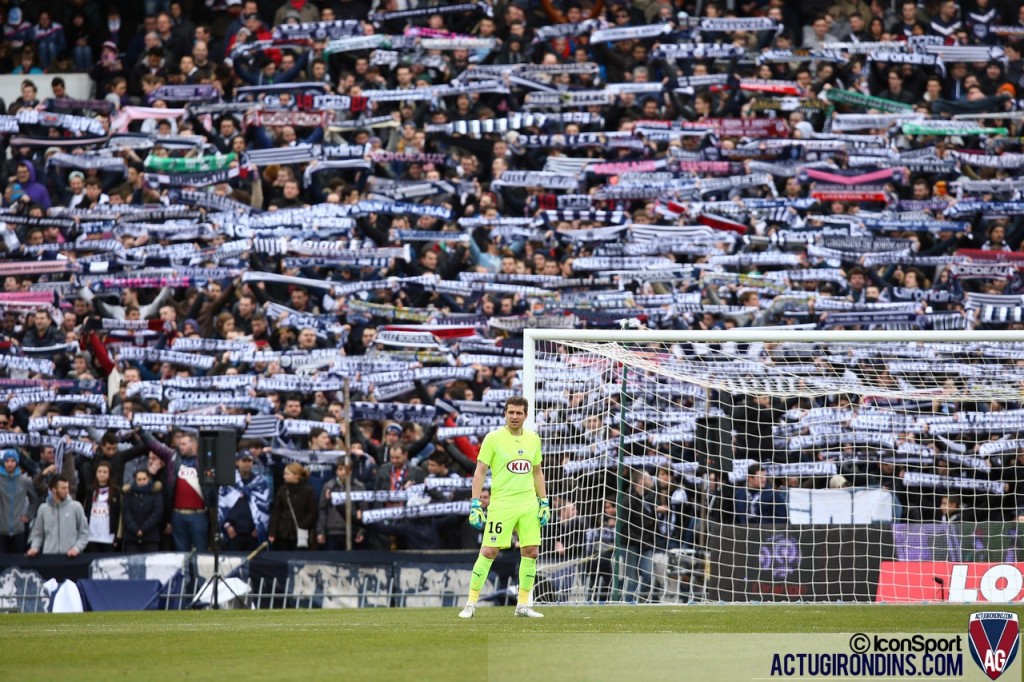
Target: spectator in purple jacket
column 25, row 175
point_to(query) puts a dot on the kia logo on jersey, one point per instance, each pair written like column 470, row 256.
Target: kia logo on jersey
column 520, row 466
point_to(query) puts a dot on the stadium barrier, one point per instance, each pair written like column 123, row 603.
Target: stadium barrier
column 274, row 580
column 961, row 562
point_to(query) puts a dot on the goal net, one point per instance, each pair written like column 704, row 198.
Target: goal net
column 773, row 465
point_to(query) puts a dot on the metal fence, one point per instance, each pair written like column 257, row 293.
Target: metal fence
column 262, row 593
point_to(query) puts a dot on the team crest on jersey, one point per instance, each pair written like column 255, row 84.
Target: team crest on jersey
column 520, row 466
column 994, row 638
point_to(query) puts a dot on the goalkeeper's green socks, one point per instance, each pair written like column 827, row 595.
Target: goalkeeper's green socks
column 480, row 570
column 527, row 574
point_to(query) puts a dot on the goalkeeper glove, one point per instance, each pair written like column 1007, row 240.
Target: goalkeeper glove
column 544, row 513
column 477, row 516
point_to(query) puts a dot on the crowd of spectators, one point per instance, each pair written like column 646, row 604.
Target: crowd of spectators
column 265, row 211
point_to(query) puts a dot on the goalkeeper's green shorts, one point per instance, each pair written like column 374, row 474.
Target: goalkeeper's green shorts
column 503, row 519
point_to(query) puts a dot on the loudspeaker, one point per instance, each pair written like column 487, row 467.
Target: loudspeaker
column 713, row 444
column 217, row 456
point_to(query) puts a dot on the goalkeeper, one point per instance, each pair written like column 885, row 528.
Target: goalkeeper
column 518, row 503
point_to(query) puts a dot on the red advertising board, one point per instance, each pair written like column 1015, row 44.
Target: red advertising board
column 945, row 581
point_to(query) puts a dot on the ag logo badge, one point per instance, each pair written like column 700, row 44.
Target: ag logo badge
column 994, row 638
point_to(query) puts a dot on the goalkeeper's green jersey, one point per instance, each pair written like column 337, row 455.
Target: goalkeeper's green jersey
column 512, row 460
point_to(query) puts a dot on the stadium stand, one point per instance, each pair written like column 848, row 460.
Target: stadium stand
column 267, row 216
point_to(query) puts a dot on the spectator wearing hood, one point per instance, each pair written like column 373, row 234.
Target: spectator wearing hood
column 25, row 175
column 18, row 503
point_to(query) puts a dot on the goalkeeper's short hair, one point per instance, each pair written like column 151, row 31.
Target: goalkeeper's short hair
column 517, row 400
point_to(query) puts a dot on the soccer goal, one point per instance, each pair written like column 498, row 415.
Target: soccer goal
column 780, row 465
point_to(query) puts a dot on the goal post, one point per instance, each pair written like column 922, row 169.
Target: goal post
column 773, row 464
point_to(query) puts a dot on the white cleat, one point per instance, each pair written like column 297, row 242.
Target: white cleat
column 527, row 612
column 468, row 611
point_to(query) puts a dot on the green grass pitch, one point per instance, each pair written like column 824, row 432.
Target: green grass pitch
column 415, row 644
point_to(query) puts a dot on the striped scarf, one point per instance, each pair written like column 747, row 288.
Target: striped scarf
column 200, row 179
column 319, row 30
column 210, row 162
